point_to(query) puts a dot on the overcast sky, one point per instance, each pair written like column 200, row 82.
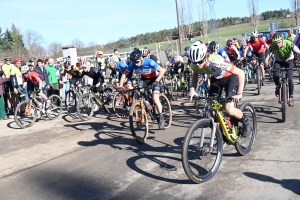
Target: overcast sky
column 105, row 21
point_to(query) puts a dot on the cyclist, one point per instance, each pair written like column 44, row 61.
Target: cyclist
column 235, row 42
column 36, row 80
column 73, row 71
column 120, row 67
column 231, row 50
column 151, row 73
column 259, row 47
column 283, row 52
column 269, row 41
column 146, row 54
column 176, row 65
column 243, row 48
column 223, row 75
column 214, row 48
column 93, row 73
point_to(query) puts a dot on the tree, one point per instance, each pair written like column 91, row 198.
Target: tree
column 254, row 16
column 295, row 4
column 17, row 47
column 32, row 42
column 203, row 18
column 55, row 50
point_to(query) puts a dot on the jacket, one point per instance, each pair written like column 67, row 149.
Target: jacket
column 52, row 74
column 44, row 75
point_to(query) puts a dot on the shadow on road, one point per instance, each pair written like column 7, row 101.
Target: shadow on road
column 289, row 184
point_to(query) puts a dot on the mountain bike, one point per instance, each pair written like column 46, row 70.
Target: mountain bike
column 142, row 109
column 205, row 140
column 284, row 91
column 164, row 87
column 72, row 96
column 88, row 101
column 202, row 91
column 254, row 74
column 27, row 112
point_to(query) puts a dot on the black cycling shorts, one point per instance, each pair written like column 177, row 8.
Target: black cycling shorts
column 229, row 83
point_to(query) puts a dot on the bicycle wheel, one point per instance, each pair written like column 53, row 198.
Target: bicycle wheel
column 25, row 114
column 70, row 102
column 120, row 105
column 258, row 77
column 200, row 161
column 174, row 90
column 283, row 101
column 244, row 145
column 138, row 122
column 55, row 107
column 166, row 110
column 107, row 100
column 85, row 106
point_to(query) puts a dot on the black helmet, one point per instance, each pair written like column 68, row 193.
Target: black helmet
column 135, row 55
column 186, row 48
column 213, row 46
column 67, row 63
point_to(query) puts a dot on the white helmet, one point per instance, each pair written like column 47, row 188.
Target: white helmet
column 174, row 53
column 111, row 60
column 86, row 64
column 24, row 69
column 197, row 51
column 254, row 34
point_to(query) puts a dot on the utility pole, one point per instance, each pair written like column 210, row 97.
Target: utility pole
column 179, row 32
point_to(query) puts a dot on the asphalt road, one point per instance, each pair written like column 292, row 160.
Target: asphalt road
column 98, row 159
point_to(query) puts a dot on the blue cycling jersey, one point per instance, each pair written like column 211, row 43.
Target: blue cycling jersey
column 148, row 68
column 120, row 66
column 222, row 53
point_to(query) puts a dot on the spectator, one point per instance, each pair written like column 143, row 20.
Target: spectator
column 116, row 55
column 51, row 70
column 3, row 79
column 191, row 37
column 63, row 80
column 291, row 36
column 100, row 60
column 40, row 69
column 29, row 86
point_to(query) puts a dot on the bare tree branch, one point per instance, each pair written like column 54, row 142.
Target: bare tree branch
column 254, row 16
column 295, row 5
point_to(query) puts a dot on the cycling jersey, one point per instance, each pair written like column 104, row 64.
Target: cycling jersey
column 284, row 53
column 74, row 71
column 95, row 75
column 33, row 77
column 148, row 68
column 120, row 66
column 257, row 46
column 222, row 53
column 216, row 66
column 231, row 51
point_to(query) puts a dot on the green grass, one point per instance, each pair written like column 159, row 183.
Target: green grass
column 227, row 32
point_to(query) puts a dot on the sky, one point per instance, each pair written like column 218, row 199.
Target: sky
column 103, row 21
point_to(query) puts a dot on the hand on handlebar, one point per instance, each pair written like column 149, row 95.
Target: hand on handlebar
column 236, row 98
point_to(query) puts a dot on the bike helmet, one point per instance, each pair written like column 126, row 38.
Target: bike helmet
column 67, row 64
column 24, row 69
column 86, row 64
column 7, row 58
column 78, row 64
column 17, row 60
column 229, row 42
column 174, row 53
column 254, row 34
column 197, row 51
column 213, row 46
column 277, row 36
column 271, row 34
column 135, row 55
column 111, row 60
column 145, row 52
column 242, row 42
column 186, row 48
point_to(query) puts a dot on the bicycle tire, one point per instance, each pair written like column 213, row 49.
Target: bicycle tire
column 193, row 154
column 85, row 104
column 174, row 90
column 55, row 107
column 70, row 101
column 284, row 101
column 244, row 145
column 121, row 109
column 166, row 110
column 141, row 135
column 30, row 119
column 107, row 101
column 258, row 76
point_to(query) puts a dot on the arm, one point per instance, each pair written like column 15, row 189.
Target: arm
column 245, row 51
column 123, row 77
column 161, row 73
column 2, row 79
column 237, row 52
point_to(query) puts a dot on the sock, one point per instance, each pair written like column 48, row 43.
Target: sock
column 244, row 118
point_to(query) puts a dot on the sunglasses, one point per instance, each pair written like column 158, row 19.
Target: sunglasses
column 7, row 60
column 199, row 63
